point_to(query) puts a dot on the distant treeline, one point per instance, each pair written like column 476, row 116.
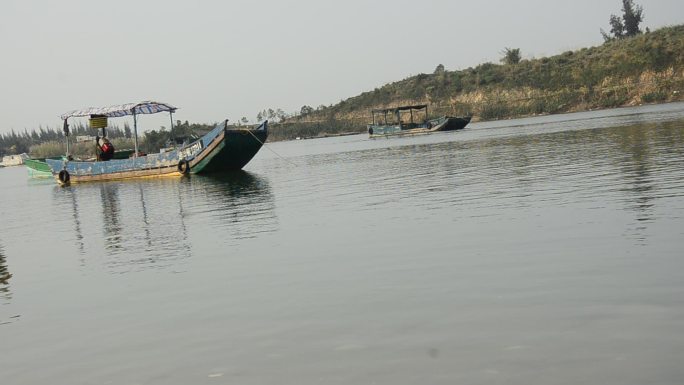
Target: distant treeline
column 21, row 142
column 46, row 142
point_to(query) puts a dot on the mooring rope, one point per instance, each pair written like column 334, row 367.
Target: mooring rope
column 269, row 148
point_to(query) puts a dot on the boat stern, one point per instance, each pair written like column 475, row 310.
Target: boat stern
column 232, row 148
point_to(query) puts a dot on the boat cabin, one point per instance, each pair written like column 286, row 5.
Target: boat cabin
column 406, row 117
column 98, row 117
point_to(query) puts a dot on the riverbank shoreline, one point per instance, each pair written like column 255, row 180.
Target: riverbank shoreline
column 475, row 119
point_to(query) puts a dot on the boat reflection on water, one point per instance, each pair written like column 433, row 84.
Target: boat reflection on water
column 110, row 216
column 138, row 233
column 148, row 223
column 239, row 202
column 5, row 293
column 644, row 149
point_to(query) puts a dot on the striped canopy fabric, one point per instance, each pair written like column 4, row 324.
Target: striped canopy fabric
column 146, row 107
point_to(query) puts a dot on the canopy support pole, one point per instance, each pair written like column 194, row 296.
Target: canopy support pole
column 66, row 136
column 135, row 132
column 171, row 116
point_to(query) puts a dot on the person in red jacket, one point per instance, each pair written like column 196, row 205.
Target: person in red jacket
column 106, row 149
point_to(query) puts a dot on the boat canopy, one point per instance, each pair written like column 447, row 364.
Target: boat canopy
column 146, row 107
column 402, row 108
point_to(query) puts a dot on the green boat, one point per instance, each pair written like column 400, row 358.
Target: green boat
column 38, row 168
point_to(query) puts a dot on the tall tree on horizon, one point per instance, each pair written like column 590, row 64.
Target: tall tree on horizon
column 511, row 56
column 632, row 16
column 628, row 24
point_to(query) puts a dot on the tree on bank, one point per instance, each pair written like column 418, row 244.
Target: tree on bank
column 511, row 56
column 306, row 110
column 628, row 24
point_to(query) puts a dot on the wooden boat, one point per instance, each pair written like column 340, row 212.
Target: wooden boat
column 223, row 148
column 38, row 167
column 383, row 126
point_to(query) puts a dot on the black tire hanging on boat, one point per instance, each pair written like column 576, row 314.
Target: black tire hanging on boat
column 64, row 177
column 370, row 131
column 183, row 167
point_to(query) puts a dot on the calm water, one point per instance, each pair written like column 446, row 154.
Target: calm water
column 535, row 251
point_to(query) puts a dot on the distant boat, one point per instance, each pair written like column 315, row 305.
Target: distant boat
column 221, row 149
column 13, row 160
column 396, row 124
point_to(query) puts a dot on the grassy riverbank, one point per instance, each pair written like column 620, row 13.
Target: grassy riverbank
column 648, row 68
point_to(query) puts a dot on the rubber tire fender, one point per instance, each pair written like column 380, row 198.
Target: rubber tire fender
column 183, row 167
column 64, row 177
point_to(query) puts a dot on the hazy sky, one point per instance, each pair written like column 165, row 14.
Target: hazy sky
column 228, row 59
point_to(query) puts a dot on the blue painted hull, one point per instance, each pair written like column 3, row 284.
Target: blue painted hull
column 221, row 149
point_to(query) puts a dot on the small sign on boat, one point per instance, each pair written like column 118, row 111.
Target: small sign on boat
column 190, row 151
